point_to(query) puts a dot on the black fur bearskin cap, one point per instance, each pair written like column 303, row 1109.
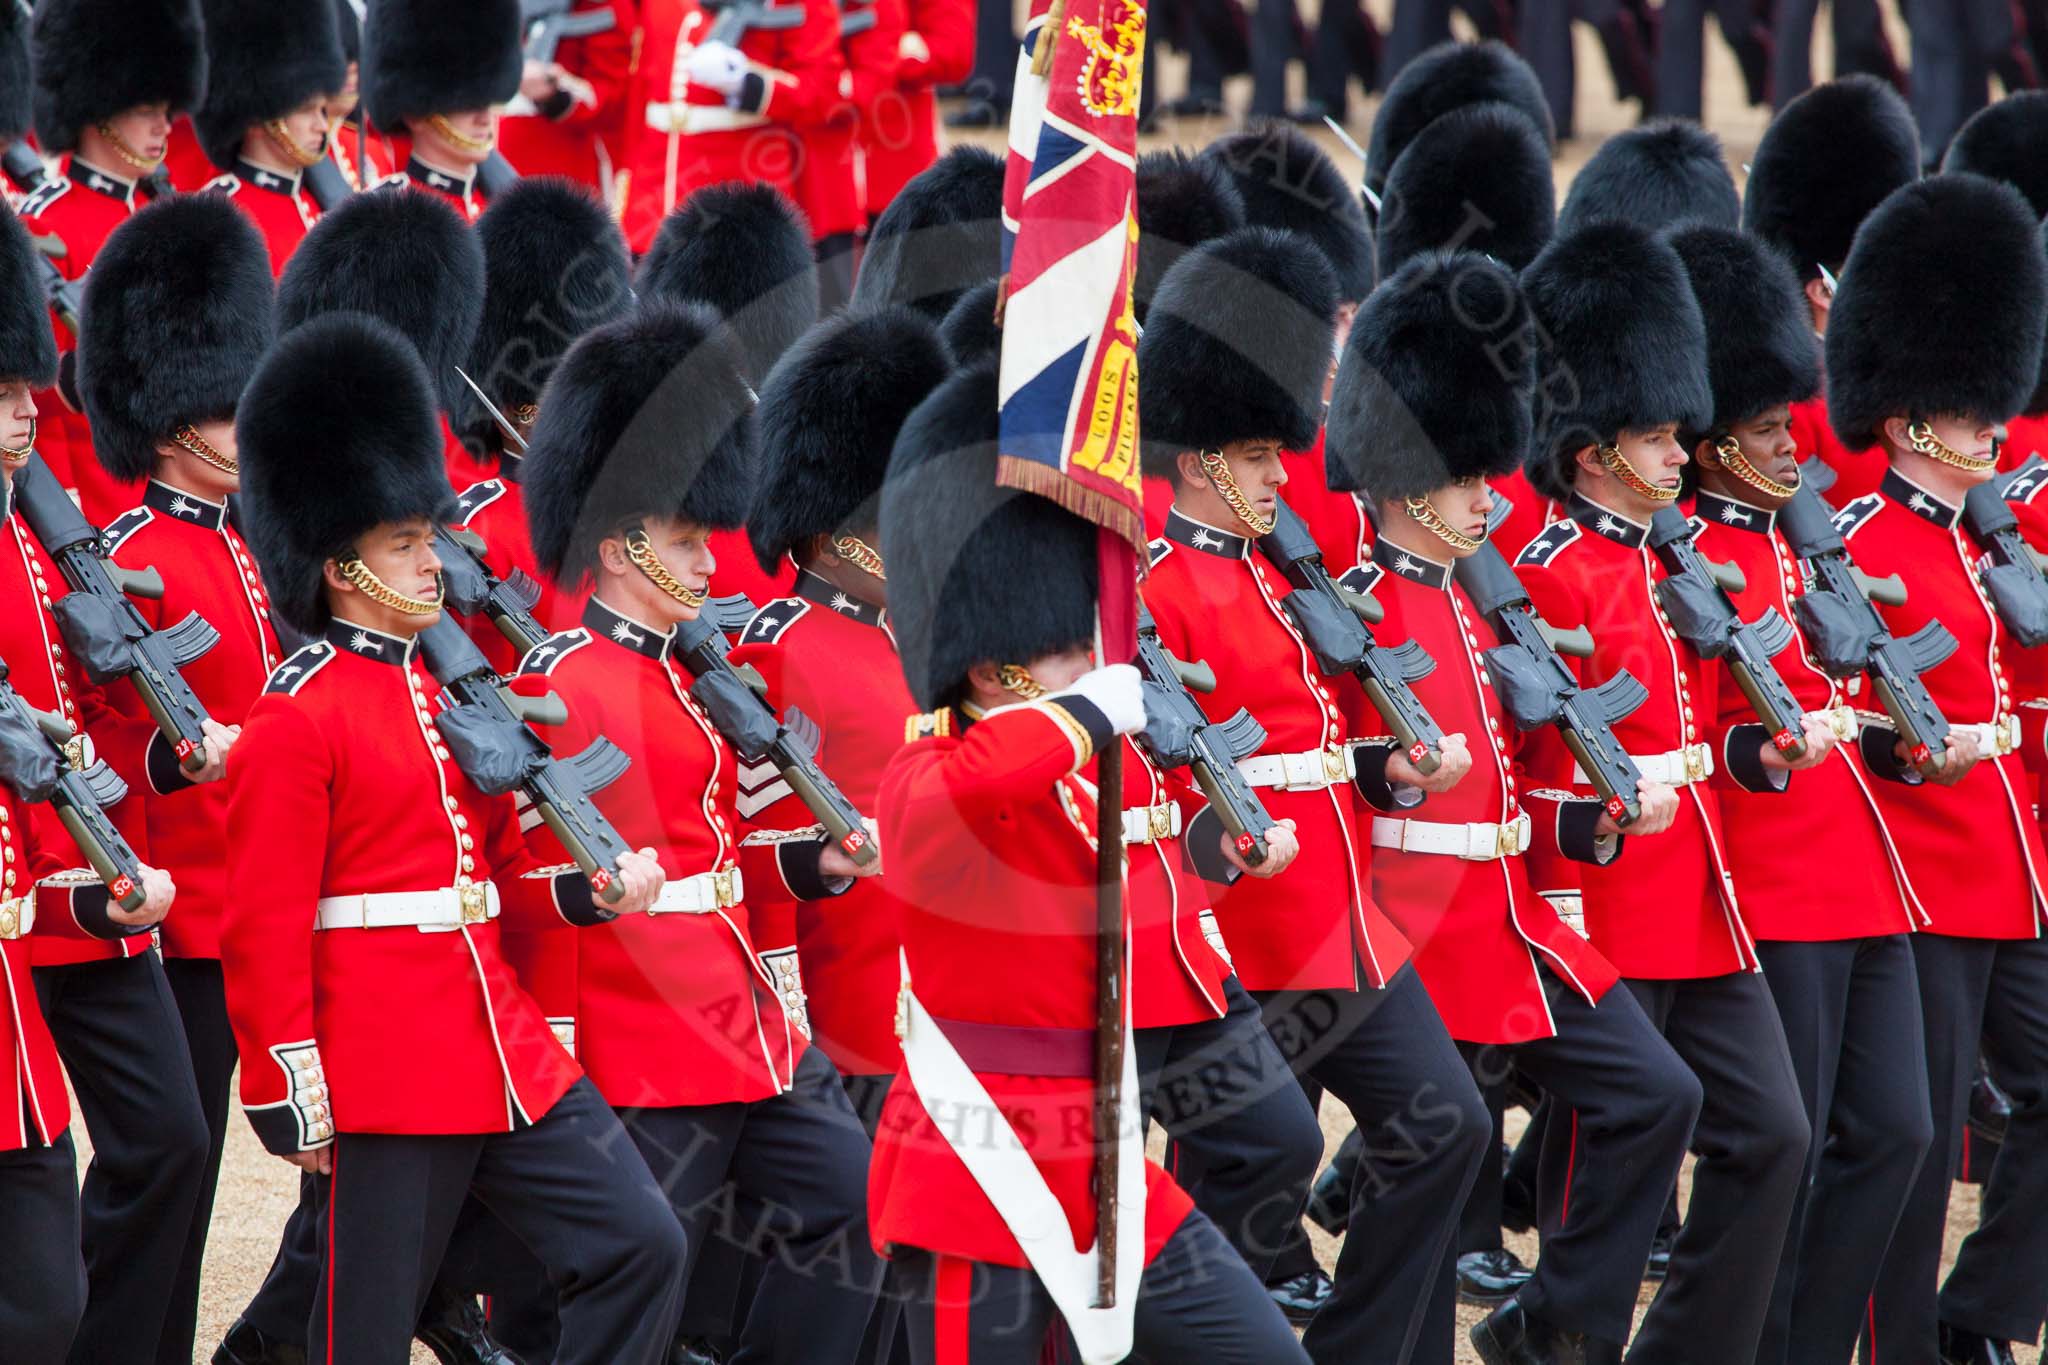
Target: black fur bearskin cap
column 93, row 59
column 746, row 251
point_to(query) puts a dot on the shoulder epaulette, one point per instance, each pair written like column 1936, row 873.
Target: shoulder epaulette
column 1361, row 577
column 1854, row 514
column 546, row 656
column 292, row 674
column 227, row 183
column 1545, row 547
column 1159, row 549
column 771, row 622
column 476, row 498
column 47, row 195
column 929, row 725
column 2028, row 484
column 124, row 526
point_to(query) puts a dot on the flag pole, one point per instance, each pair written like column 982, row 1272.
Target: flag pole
column 1109, row 1001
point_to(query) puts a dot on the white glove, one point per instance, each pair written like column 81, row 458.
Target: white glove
column 1118, row 692
column 718, row 66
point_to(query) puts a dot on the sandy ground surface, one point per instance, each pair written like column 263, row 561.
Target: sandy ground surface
column 257, row 1190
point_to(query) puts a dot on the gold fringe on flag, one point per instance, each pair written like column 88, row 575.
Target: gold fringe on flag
column 1090, row 504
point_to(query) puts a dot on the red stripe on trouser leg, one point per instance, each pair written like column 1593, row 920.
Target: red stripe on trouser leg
column 1871, row 1302
column 333, row 1189
column 952, row 1296
column 1571, row 1165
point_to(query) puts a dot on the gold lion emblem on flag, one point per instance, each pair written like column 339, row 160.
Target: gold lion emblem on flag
column 1109, row 77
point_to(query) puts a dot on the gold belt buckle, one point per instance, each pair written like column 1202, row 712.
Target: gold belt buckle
column 10, row 918
column 722, row 890
column 2003, row 739
column 1162, row 821
column 1842, row 719
column 476, row 903
column 1508, row 842
column 1334, row 766
column 1695, row 763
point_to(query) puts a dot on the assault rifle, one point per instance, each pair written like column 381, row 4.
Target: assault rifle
column 1695, row 599
column 470, row 588
column 2012, row 579
column 1178, row 734
column 737, row 18
column 1329, row 619
column 34, row 761
column 1846, row 636
column 545, row 23
column 65, row 297
column 490, row 733
column 102, row 626
column 325, row 182
column 24, row 167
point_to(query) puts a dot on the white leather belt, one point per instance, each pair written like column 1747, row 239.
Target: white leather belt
column 450, row 907
column 18, row 915
column 1994, row 737
column 1305, row 772
column 678, row 116
column 1477, row 843
column 1150, row 824
column 1679, row 768
column 703, row 894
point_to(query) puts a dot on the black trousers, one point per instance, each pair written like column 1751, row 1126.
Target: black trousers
column 210, row 1043
column 1196, row 1303
column 42, row 1290
column 1751, row 1139
column 1245, row 1139
column 118, row 1034
column 1851, row 1012
column 1860, row 44
column 1955, row 43
column 994, row 77
column 1629, row 1105
column 1993, row 994
column 1386, row 1056
column 1544, row 38
column 1275, row 41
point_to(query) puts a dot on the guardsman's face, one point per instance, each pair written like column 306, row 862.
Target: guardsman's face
column 341, row 103
column 478, row 126
column 17, row 424
column 189, row 471
column 144, row 130
column 1765, row 441
column 1059, row 670
column 402, row 555
column 682, row 547
column 1466, row 505
column 306, row 126
column 1655, row 456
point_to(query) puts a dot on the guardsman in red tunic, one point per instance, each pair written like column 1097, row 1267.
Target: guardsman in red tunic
column 270, row 71
column 744, row 250
column 900, row 136
column 827, row 181
column 1835, row 949
column 1828, row 158
column 1515, row 985
column 725, row 92
column 363, row 153
column 570, row 116
column 1933, row 401
column 385, row 1041
column 1311, row 944
column 680, row 1026
column 1623, row 365
column 435, row 73
column 109, row 75
column 409, row 260
column 178, row 315
column 981, row 1189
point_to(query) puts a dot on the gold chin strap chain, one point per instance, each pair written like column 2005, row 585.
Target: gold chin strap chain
column 441, row 125
column 1927, row 443
column 1736, row 463
column 288, row 147
column 189, row 437
column 1427, row 516
column 377, row 590
column 525, row 415
column 124, row 151
column 9, row 455
column 1017, row 678
column 861, row 555
column 1225, row 484
column 640, row 550
column 1621, row 469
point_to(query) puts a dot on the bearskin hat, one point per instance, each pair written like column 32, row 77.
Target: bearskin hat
column 1427, row 394
column 1623, row 346
column 1941, row 309
column 1238, row 347
column 93, row 59
column 28, row 349
column 555, row 266
column 349, row 29
column 263, row 59
column 338, row 434
column 828, row 418
column 1829, row 158
column 1183, row 201
column 1450, row 76
column 970, row 331
column 940, row 236
column 2007, row 141
column 1665, row 172
column 648, row 416
column 178, row 313
column 1761, row 350
column 976, row 572
column 746, row 251
column 1477, row 179
column 424, row 57
column 400, row 255
column 17, row 86
column 1288, row 182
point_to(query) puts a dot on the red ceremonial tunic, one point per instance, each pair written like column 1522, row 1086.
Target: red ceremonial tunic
column 206, row 568
column 80, row 209
column 185, row 161
column 1315, row 926
column 900, row 137
column 496, row 510
column 686, row 136
column 988, row 827
column 828, row 179
column 579, row 134
column 1479, row 927
column 33, row 1104
column 278, row 204
column 1532, row 512
column 1772, row 835
column 1857, row 472
column 340, row 786
column 461, row 192
column 1337, row 521
column 1972, row 850
column 735, row 570
column 1669, row 912
column 365, row 157
column 2026, row 436
column 670, row 1009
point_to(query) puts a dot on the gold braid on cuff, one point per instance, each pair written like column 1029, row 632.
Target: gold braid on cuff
column 861, row 555
column 1927, row 443
column 377, row 590
column 640, row 550
column 188, row 436
column 1620, row 468
column 1426, row 515
column 1225, row 484
column 281, row 138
